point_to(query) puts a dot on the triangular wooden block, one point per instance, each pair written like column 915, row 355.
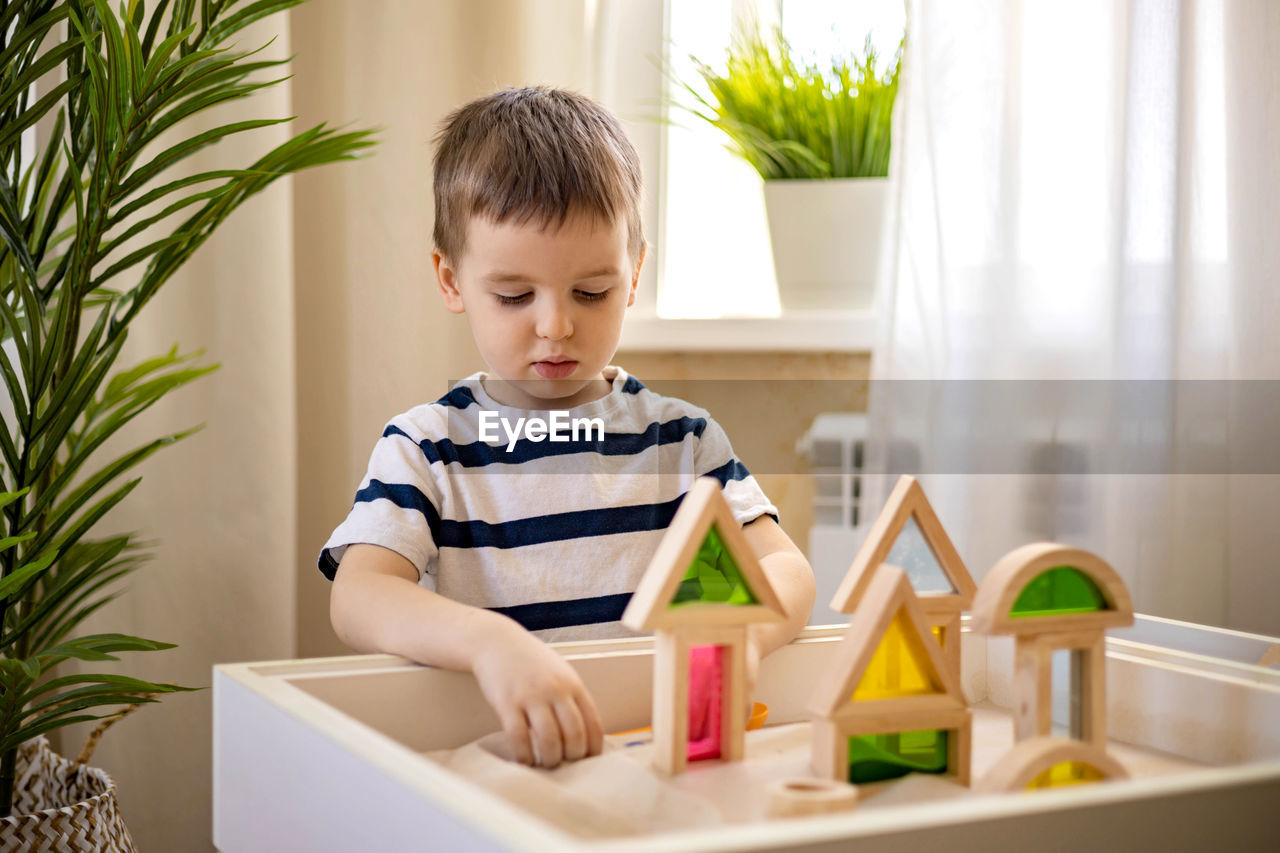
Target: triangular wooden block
column 907, row 502
column 899, row 667
column 888, row 605
column 702, row 510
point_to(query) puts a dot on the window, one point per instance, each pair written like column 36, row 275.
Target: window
column 714, row 241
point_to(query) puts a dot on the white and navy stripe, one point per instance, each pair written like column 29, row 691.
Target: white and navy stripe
column 554, row 535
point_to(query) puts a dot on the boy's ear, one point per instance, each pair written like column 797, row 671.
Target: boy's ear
column 635, row 278
column 447, row 280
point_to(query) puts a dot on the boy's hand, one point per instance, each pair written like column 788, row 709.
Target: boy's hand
column 545, row 710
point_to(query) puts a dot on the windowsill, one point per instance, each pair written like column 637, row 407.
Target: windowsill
column 799, row 331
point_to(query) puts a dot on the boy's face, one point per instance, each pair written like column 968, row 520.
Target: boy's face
column 545, row 307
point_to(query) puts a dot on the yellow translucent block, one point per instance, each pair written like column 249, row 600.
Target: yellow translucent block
column 1066, row 773
column 899, row 667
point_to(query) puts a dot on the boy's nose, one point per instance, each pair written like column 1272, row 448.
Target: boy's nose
column 554, row 323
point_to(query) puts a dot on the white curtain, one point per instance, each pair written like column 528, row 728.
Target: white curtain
column 1087, row 196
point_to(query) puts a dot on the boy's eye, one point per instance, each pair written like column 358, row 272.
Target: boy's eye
column 589, row 296
column 511, row 300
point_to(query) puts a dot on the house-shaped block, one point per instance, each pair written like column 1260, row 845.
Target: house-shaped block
column 908, row 534
column 890, row 703
column 1050, row 597
column 701, row 591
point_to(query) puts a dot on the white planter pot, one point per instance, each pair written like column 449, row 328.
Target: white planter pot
column 826, row 241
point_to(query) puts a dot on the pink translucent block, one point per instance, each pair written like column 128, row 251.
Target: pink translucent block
column 706, row 682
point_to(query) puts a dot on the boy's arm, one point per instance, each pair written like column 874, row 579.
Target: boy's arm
column 376, row 605
column 791, row 577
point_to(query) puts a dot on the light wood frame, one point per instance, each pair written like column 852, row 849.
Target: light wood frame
column 677, row 630
column 836, row 717
column 1010, row 575
column 703, row 506
column 906, row 500
column 1033, row 685
column 830, row 749
column 943, row 609
column 948, row 620
column 671, row 694
column 1020, row 765
column 1037, row 637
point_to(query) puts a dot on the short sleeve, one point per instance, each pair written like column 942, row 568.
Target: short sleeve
column 397, row 505
column 714, row 457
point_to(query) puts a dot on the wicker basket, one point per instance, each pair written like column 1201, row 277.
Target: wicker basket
column 44, row 779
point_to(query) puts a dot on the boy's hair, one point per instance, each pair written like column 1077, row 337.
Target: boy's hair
column 536, row 153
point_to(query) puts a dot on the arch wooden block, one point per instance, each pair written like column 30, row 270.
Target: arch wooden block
column 993, row 605
column 1037, row 637
column 1020, row 765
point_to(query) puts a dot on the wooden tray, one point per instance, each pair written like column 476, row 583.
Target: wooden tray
column 324, row 755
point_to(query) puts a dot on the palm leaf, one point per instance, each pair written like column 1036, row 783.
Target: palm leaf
column 70, row 222
column 76, row 577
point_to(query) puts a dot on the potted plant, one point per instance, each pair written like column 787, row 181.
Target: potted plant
column 820, row 139
column 92, row 224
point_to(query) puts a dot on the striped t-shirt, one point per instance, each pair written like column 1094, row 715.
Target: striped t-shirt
column 555, row 534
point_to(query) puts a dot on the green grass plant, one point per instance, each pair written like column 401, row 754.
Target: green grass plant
column 793, row 119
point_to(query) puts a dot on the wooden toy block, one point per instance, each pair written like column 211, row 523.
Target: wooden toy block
column 1049, row 597
column 908, row 505
column 946, row 628
column 830, row 750
column 907, row 502
column 670, row 702
column 891, row 692
column 1049, row 762
column 1089, row 718
column 1033, row 688
column 703, row 587
column 703, row 509
column 887, row 597
column 805, row 796
column 1093, row 595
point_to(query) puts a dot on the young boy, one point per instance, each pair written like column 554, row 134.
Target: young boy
column 471, row 542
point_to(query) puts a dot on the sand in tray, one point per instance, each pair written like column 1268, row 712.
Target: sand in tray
column 616, row 795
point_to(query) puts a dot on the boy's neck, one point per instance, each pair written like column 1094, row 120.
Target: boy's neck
column 507, row 394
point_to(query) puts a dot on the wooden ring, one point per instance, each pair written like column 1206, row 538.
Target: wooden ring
column 805, row 795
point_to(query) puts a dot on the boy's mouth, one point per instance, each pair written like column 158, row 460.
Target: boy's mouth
column 554, row 369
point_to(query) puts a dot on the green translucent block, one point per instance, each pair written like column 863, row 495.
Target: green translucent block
column 875, row 758
column 1057, row 591
column 713, row 577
